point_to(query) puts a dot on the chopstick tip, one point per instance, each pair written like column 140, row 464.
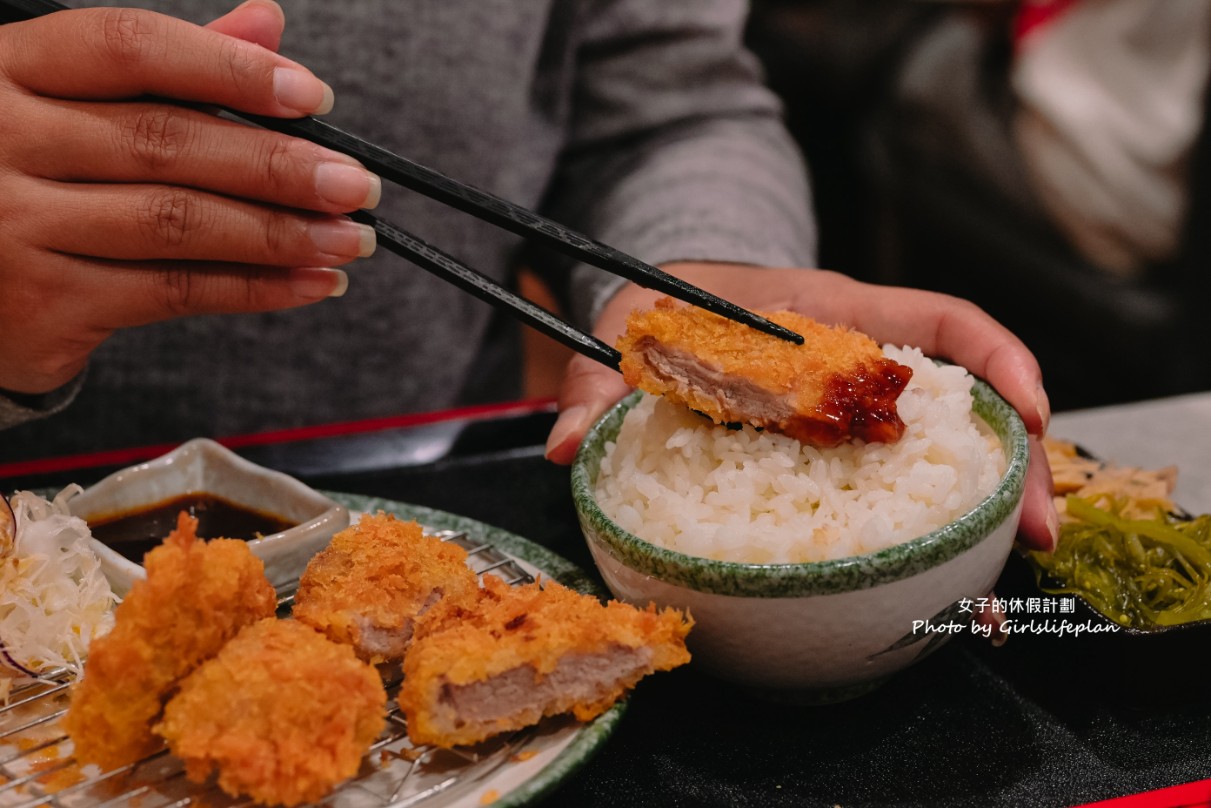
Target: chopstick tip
column 793, row 336
column 772, row 328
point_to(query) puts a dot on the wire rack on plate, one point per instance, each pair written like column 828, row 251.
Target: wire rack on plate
column 37, row 767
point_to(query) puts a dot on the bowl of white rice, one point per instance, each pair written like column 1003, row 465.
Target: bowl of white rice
column 810, row 573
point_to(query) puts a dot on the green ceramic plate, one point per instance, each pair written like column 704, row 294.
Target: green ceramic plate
column 512, row 770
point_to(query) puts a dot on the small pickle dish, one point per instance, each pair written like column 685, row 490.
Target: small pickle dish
column 1094, row 656
column 284, row 521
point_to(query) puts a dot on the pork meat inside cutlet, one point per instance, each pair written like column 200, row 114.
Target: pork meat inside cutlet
column 835, row 387
column 526, row 652
column 375, row 578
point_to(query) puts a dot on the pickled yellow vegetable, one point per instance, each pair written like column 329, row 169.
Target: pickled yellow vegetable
column 1141, row 573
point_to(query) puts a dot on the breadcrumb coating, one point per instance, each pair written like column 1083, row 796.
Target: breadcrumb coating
column 375, row 579
column 835, row 387
column 530, row 651
column 283, row 713
column 197, row 595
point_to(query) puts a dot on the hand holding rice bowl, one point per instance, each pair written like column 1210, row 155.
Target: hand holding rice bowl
column 805, row 568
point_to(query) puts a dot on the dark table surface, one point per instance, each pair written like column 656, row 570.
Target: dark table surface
column 971, row 725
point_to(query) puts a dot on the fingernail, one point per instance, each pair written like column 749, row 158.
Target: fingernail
column 343, row 238
column 347, row 186
column 376, row 193
column 1044, row 409
column 1052, row 521
column 569, row 425
column 297, row 89
column 317, row 283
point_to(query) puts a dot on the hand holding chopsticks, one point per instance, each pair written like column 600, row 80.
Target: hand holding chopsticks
column 516, row 219
column 121, row 206
column 489, row 208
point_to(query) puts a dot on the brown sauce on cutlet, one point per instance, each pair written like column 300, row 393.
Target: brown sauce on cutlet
column 861, row 404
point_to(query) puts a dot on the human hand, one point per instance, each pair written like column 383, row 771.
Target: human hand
column 117, row 210
column 940, row 325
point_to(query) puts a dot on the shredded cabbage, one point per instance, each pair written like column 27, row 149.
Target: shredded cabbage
column 54, row 599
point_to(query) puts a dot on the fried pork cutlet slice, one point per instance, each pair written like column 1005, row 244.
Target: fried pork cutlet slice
column 197, row 595
column 835, row 387
column 527, row 652
column 372, row 582
column 282, row 712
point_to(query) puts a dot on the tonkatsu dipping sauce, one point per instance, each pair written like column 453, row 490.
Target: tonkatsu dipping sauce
column 132, row 533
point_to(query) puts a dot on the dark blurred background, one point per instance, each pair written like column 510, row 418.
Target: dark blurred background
column 904, row 110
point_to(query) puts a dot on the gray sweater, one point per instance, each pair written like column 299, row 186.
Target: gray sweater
column 642, row 123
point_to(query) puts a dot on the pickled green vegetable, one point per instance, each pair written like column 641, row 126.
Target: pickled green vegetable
column 1141, row 573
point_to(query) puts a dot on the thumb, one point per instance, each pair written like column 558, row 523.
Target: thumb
column 588, row 390
column 258, row 21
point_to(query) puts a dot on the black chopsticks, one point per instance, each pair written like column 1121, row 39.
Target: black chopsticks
column 490, row 208
column 511, row 217
column 450, row 269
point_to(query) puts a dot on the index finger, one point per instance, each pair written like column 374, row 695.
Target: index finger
column 114, row 53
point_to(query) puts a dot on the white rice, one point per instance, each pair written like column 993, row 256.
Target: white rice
column 678, row 481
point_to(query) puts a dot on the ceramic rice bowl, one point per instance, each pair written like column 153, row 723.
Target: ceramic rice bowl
column 817, row 631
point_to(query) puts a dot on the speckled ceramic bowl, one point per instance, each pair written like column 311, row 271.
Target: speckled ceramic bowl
column 203, row 466
column 821, row 631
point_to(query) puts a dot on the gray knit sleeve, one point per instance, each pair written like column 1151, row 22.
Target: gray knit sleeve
column 677, row 150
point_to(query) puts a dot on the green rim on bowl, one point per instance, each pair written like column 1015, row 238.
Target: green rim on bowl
column 812, row 578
